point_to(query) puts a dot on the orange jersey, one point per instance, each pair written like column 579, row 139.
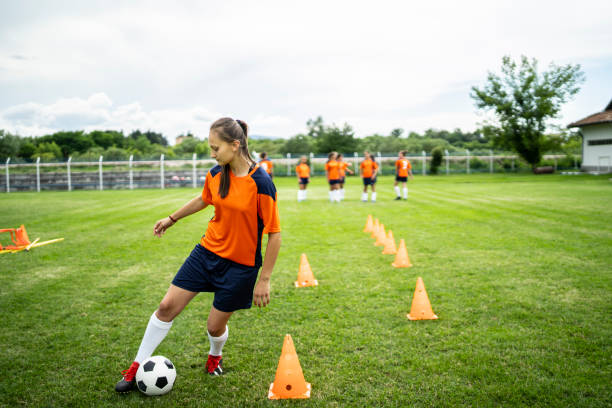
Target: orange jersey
column 267, row 165
column 342, row 168
column 241, row 218
column 367, row 168
column 333, row 170
column 402, row 166
column 302, row 170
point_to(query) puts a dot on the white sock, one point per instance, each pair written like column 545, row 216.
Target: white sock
column 338, row 195
column 216, row 343
column 405, row 192
column 373, row 197
column 154, row 334
column 397, row 191
column 331, row 196
column 364, row 196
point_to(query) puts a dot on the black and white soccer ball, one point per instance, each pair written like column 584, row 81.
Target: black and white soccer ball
column 155, row 376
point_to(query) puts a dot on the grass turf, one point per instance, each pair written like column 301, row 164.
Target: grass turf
column 518, row 268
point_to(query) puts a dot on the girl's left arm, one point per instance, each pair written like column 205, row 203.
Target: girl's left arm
column 261, row 294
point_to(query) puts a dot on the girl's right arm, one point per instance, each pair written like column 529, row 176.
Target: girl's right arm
column 193, row 206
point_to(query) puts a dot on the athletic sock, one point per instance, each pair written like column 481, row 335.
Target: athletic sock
column 397, row 191
column 338, row 195
column 373, row 197
column 154, row 334
column 331, row 196
column 216, row 343
column 364, row 197
column 405, row 192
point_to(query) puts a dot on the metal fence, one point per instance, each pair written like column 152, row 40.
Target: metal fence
column 163, row 173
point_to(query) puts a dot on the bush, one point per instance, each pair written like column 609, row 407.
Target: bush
column 436, row 160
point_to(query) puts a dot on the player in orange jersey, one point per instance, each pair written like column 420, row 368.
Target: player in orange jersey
column 369, row 168
column 333, row 177
column 266, row 164
column 403, row 170
column 302, row 170
column 343, row 168
column 228, row 258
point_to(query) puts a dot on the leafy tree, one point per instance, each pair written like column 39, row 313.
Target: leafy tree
column 524, row 100
column 436, row 160
column 27, row 150
column 9, row 145
column 48, row 151
column 298, row 144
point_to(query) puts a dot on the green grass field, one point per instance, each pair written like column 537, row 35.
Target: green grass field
column 517, row 267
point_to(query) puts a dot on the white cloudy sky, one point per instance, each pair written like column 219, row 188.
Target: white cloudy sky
column 175, row 66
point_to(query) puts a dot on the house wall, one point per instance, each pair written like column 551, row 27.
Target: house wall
column 598, row 155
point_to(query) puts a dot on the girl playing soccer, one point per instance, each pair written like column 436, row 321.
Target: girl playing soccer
column 343, row 167
column 227, row 259
column 333, row 177
column 403, row 170
column 303, row 173
column 369, row 168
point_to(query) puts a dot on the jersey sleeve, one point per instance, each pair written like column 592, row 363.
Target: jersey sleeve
column 206, row 193
column 267, row 209
column 374, row 165
column 409, row 165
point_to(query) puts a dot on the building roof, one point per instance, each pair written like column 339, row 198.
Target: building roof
column 600, row 117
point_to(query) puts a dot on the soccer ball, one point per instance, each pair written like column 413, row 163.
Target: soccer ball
column 155, row 376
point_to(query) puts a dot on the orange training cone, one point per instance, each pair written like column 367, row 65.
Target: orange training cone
column 369, row 224
column 421, row 308
column 305, row 276
column 401, row 258
column 289, row 381
column 375, row 228
column 381, row 237
column 390, row 247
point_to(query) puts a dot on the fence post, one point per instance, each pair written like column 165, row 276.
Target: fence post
column 490, row 161
column 161, row 171
column 195, row 173
column 356, row 162
column 380, row 165
column 100, row 172
column 467, row 161
column 131, row 175
column 288, row 164
column 8, row 188
column 424, row 161
column 446, row 153
column 312, row 170
column 38, row 174
column 68, row 170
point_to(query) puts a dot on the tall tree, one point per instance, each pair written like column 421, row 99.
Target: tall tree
column 524, row 100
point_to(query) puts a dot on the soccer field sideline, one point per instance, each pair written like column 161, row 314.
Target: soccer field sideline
column 491, row 289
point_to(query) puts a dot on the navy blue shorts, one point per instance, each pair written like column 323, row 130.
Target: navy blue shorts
column 342, row 180
column 368, row 181
column 304, row 180
column 334, row 181
column 205, row 271
column 403, row 179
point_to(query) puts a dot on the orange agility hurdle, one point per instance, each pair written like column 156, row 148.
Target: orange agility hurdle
column 19, row 236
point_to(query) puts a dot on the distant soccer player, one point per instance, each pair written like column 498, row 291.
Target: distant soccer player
column 403, row 169
column 343, row 167
column 333, row 177
column 369, row 168
column 303, row 174
column 266, row 164
column 227, row 259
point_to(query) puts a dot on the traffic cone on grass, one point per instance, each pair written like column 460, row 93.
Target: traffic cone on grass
column 369, row 224
column 401, row 258
column 390, row 247
column 375, row 228
column 289, row 381
column 421, row 308
column 381, row 237
column 305, row 276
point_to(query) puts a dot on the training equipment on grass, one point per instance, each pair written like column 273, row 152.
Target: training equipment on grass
column 155, row 376
column 19, row 236
column 369, row 224
column 289, row 381
column 421, row 308
column 401, row 258
column 375, row 228
column 390, row 248
column 381, row 236
column 305, row 276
